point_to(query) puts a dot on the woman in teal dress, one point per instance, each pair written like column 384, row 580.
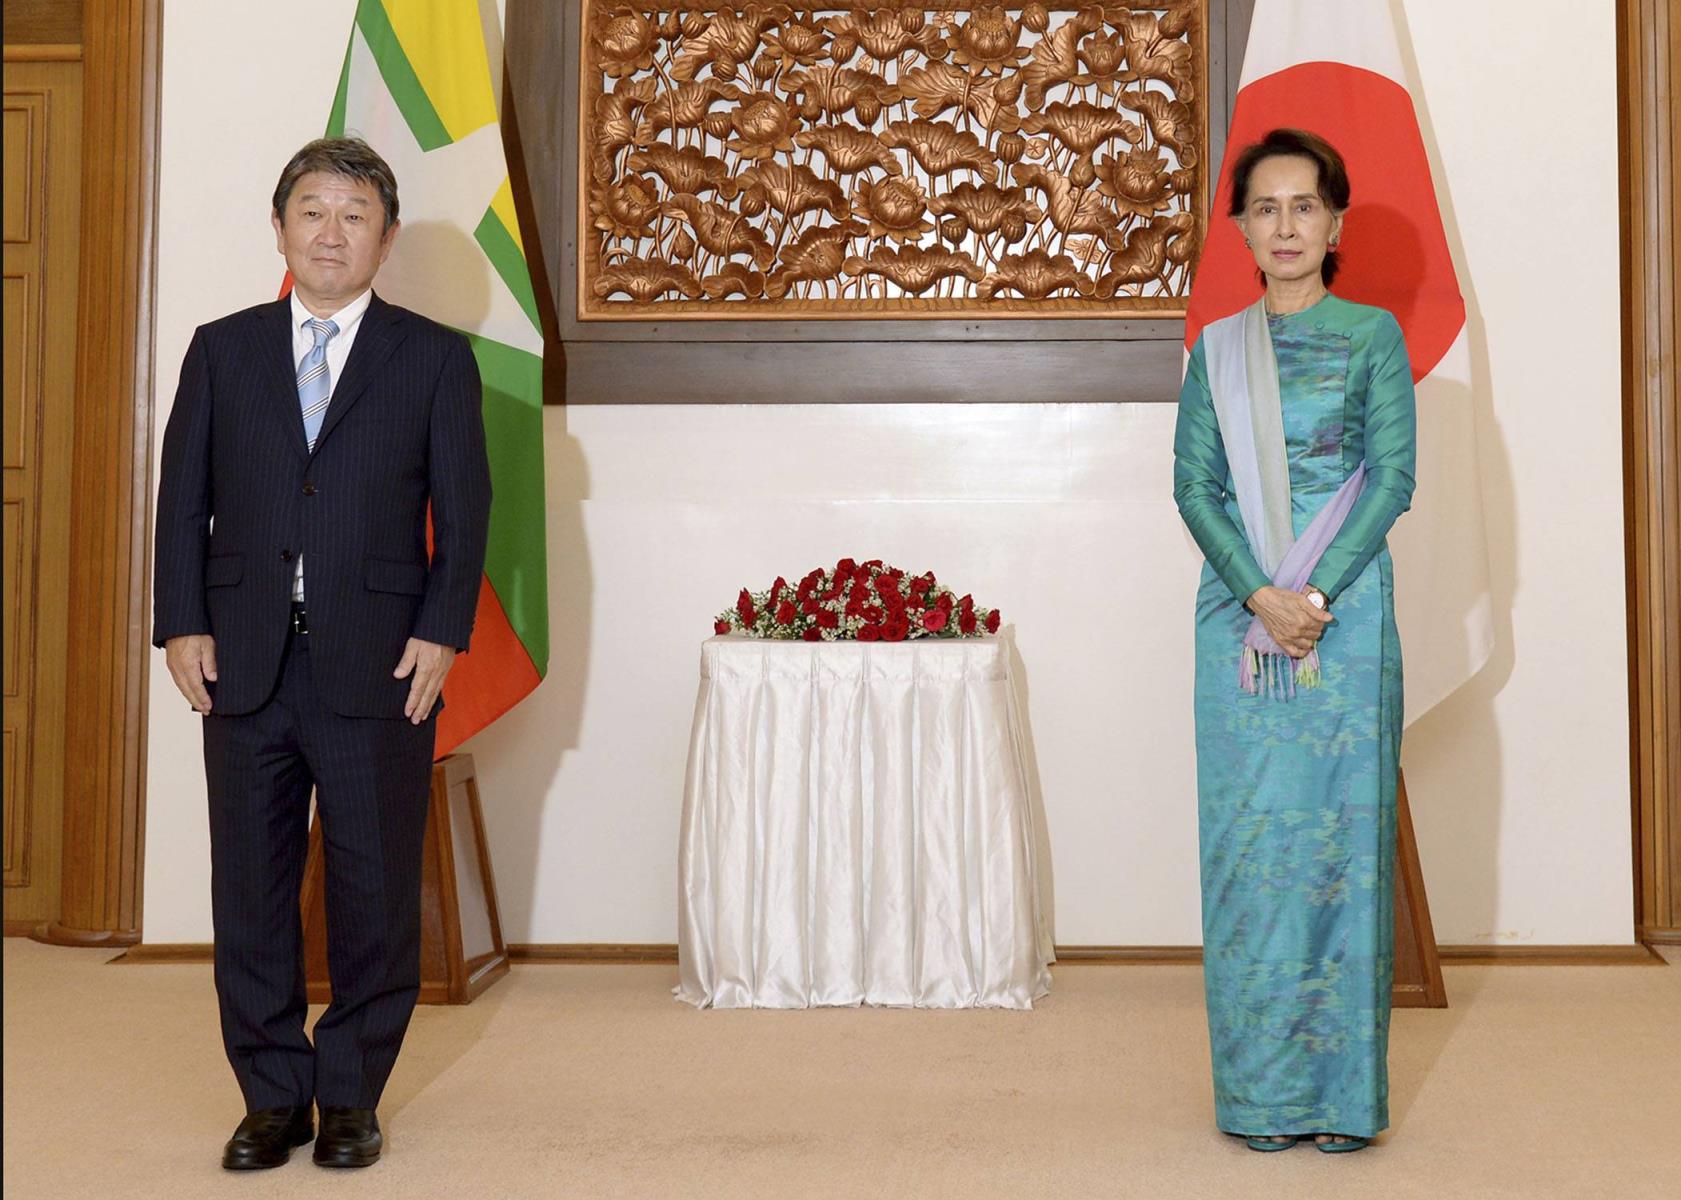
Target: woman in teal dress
column 1297, row 764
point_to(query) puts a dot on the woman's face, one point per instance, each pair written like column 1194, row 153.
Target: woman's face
column 1286, row 222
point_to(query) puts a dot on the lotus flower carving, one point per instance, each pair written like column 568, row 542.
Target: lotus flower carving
column 890, row 158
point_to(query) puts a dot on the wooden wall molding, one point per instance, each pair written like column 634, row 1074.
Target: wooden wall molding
column 44, row 52
column 104, row 808
column 1649, row 71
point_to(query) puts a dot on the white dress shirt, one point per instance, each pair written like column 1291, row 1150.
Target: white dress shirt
column 348, row 319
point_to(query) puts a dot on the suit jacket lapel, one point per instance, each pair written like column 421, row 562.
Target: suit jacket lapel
column 381, row 332
column 274, row 333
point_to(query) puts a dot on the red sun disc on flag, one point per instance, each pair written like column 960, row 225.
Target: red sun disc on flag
column 1394, row 251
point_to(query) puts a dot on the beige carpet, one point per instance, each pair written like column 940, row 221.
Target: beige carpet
column 592, row 1082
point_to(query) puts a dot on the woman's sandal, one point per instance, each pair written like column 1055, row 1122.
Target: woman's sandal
column 1346, row 1145
column 1267, row 1144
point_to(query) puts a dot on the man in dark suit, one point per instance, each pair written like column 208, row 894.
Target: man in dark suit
column 301, row 614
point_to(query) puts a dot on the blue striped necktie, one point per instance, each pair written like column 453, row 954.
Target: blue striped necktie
column 315, row 384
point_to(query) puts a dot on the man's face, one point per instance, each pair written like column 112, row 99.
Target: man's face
column 334, row 237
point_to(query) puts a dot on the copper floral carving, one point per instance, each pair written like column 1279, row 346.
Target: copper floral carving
column 890, row 159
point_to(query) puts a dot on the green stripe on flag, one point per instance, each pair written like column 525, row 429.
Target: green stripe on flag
column 335, row 119
column 504, row 254
column 400, row 79
column 516, row 559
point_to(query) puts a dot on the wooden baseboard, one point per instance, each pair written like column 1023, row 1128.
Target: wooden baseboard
column 586, row 953
column 1551, row 956
column 1657, row 935
column 166, row 952
column 1129, row 955
column 21, row 928
column 592, row 952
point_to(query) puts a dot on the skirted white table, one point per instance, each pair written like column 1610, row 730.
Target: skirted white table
column 857, row 829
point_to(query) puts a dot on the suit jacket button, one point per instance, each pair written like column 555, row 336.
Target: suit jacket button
column 285, row 556
column 309, row 489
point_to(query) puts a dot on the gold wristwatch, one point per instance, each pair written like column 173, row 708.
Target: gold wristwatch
column 1316, row 597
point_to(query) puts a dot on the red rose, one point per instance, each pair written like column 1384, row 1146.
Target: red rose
column 811, row 635
column 845, row 567
column 918, row 586
column 934, row 620
column 744, row 607
column 828, row 618
column 967, row 604
column 917, row 601
column 808, row 606
column 944, row 602
column 785, row 613
column 869, row 633
column 873, row 564
column 896, row 630
column 992, row 619
column 854, row 609
column 720, row 627
column 874, row 613
column 966, row 622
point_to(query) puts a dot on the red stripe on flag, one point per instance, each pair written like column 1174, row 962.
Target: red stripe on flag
column 1394, row 252
column 489, row 679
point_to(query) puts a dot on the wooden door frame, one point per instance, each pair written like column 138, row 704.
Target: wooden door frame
column 1649, row 88
column 108, row 659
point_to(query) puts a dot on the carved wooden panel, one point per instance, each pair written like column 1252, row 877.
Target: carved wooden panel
column 890, row 159
column 42, row 128
column 25, row 111
column 22, row 165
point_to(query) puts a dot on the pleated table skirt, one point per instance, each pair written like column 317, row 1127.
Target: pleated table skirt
column 857, row 829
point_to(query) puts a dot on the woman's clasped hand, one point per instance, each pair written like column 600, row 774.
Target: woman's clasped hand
column 1290, row 617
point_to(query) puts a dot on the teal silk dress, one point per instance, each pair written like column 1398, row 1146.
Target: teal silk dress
column 1296, row 797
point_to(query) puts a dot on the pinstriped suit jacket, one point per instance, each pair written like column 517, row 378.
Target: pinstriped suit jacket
column 241, row 495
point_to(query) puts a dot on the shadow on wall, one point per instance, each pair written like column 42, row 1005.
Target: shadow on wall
column 1452, row 754
column 427, row 251
column 522, row 752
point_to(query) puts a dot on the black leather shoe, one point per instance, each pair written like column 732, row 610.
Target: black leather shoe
column 265, row 1138
column 349, row 1138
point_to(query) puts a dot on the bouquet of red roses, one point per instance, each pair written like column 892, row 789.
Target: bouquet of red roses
column 866, row 602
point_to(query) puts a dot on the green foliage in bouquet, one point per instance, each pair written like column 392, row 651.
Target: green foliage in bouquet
column 865, row 602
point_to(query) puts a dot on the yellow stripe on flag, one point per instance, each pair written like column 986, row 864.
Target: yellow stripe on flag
column 444, row 44
column 503, row 207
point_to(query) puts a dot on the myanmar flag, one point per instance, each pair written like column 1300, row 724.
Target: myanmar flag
column 1334, row 67
column 420, row 85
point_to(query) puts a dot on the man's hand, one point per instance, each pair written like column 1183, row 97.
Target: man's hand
column 1293, row 622
column 192, row 660
column 428, row 662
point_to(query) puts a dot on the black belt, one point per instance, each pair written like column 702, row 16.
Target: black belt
column 300, row 623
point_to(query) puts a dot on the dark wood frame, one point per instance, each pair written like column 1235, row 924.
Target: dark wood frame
column 921, row 360
column 1649, row 77
column 105, row 719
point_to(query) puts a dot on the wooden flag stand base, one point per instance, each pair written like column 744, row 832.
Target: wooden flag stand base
column 461, row 949
column 1418, row 966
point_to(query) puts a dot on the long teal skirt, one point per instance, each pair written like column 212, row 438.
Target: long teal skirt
column 1296, row 811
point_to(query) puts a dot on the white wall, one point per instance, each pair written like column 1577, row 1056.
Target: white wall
column 1058, row 514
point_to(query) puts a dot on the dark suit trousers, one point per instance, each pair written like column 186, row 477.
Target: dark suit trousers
column 371, row 779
